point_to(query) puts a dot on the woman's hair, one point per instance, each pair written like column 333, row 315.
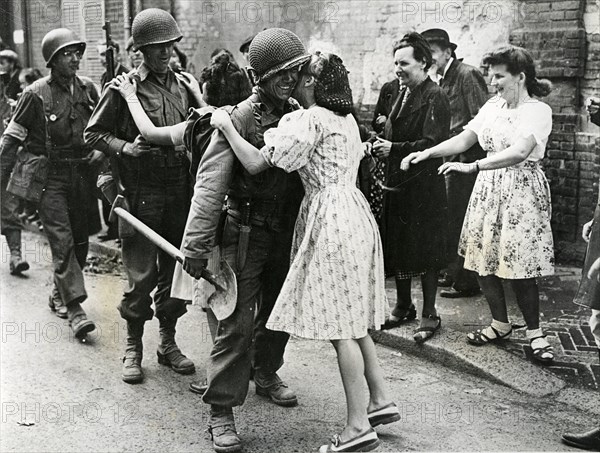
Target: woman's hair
column 421, row 49
column 517, row 60
column 226, row 83
column 182, row 57
column 30, row 75
column 332, row 87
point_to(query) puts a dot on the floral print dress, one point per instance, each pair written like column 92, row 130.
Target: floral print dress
column 506, row 231
column 335, row 288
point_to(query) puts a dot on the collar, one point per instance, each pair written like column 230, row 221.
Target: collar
column 58, row 81
column 269, row 113
column 450, row 61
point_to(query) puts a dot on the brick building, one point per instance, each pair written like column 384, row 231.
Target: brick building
column 564, row 36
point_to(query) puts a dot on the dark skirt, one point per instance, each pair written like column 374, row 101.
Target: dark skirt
column 588, row 293
column 414, row 220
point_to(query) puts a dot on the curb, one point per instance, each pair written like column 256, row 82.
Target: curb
column 450, row 348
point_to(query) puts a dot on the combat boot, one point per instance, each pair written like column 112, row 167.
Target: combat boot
column 132, row 361
column 78, row 320
column 221, row 427
column 168, row 352
column 16, row 264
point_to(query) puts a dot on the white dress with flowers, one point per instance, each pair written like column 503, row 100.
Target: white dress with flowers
column 506, row 231
column 335, row 288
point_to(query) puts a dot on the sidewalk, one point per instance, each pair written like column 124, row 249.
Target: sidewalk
column 575, row 372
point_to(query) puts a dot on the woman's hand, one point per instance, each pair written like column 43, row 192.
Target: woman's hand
column 126, row 86
column 382, row 148
column 594, row 270
column 368, row 149
column 587, row 230
column 458, row 167
column 221, row 120
column 413, row 158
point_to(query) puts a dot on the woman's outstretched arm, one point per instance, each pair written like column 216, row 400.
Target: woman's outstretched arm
column 250, row 156
column 166, row 135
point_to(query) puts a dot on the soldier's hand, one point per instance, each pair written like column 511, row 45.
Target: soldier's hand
column 587, row 230
column 220, row 119
column 195, row 266
column 95, row 157
column 138, row 147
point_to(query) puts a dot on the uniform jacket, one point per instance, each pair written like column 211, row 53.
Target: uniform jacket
column 221, row 174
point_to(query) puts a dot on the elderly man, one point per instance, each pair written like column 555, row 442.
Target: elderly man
column 10, row 69
column 157, row 187
column 49, row 119
column 256, row 239
column 467, row 92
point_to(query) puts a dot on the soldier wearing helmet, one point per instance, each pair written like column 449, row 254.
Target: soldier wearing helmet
column 49, row 121
column 10, row 70
column 156, row 184
column 256, row 239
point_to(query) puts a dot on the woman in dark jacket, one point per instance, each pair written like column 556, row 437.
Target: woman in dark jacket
column 413, row 224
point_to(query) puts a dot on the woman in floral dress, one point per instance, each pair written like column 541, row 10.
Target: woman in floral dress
column 335, row 288
column 506, row 234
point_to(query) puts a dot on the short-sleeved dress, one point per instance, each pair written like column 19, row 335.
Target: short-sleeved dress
column 506, row 231
column 335, row 288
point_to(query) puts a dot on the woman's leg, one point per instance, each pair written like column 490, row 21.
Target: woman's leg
column 378, row 393
column 403, row 296
column 499, row 327
column 352, row 370
column 528, row 298
column 494, row 294
column 429, row 281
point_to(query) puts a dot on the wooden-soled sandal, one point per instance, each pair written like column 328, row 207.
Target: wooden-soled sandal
column 478, row 338
column 543, row 354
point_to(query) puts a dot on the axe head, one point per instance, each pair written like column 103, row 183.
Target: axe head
column 125, row 229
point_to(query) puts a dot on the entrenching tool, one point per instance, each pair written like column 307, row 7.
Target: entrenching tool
column 222, row 302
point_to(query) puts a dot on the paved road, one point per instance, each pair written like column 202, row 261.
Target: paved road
column 71, row 396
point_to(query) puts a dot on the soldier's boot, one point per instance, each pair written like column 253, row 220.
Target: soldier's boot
column 57, row 305
column 168, row 352
column 17, row 264
column 132, row 360
column 221, row 427
column 78, row 320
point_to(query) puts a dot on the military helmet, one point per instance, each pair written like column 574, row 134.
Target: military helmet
column 9, row 54
column 154, row 26
column 58, row 39
column 274, row 50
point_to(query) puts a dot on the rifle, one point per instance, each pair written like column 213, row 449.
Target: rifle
column 110, row 52
column 112, row 187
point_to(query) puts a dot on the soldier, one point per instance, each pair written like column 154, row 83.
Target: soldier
column 10, row 69
column 256, row 239
column 49, row 120
column 157, row 187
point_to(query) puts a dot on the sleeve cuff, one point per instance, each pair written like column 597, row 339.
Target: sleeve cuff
column 115, row 146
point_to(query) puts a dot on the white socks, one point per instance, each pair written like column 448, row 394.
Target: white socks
column 502, row 327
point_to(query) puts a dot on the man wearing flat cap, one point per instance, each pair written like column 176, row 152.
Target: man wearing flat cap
column 255, row 239
column 467, row 92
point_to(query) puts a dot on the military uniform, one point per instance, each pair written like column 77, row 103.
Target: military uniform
column 63, row 206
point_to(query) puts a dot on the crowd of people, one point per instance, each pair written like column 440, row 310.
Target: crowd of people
column 267, row 169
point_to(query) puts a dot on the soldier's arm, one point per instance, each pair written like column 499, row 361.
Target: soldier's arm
column 100, row 131
column 212, row 183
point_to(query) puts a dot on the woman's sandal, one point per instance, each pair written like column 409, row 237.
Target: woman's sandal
column 543, row 354
column 428, row 331
column 408, row 315
column 478, row 338
column 366, row 441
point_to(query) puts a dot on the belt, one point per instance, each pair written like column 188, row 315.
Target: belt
column 69, row 155
column 166, row 157
column 262, row 207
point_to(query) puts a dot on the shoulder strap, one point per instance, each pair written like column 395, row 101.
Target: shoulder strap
column 42, row 88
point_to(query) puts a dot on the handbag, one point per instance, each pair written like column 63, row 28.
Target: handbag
column 29, row 176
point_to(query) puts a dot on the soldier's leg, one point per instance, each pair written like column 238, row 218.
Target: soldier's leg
column 230, row 359
column 54, row 210
column 10, row 222
column 270, row 345
column 169, row 309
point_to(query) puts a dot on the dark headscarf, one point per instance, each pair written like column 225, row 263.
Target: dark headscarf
column 332, row 87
